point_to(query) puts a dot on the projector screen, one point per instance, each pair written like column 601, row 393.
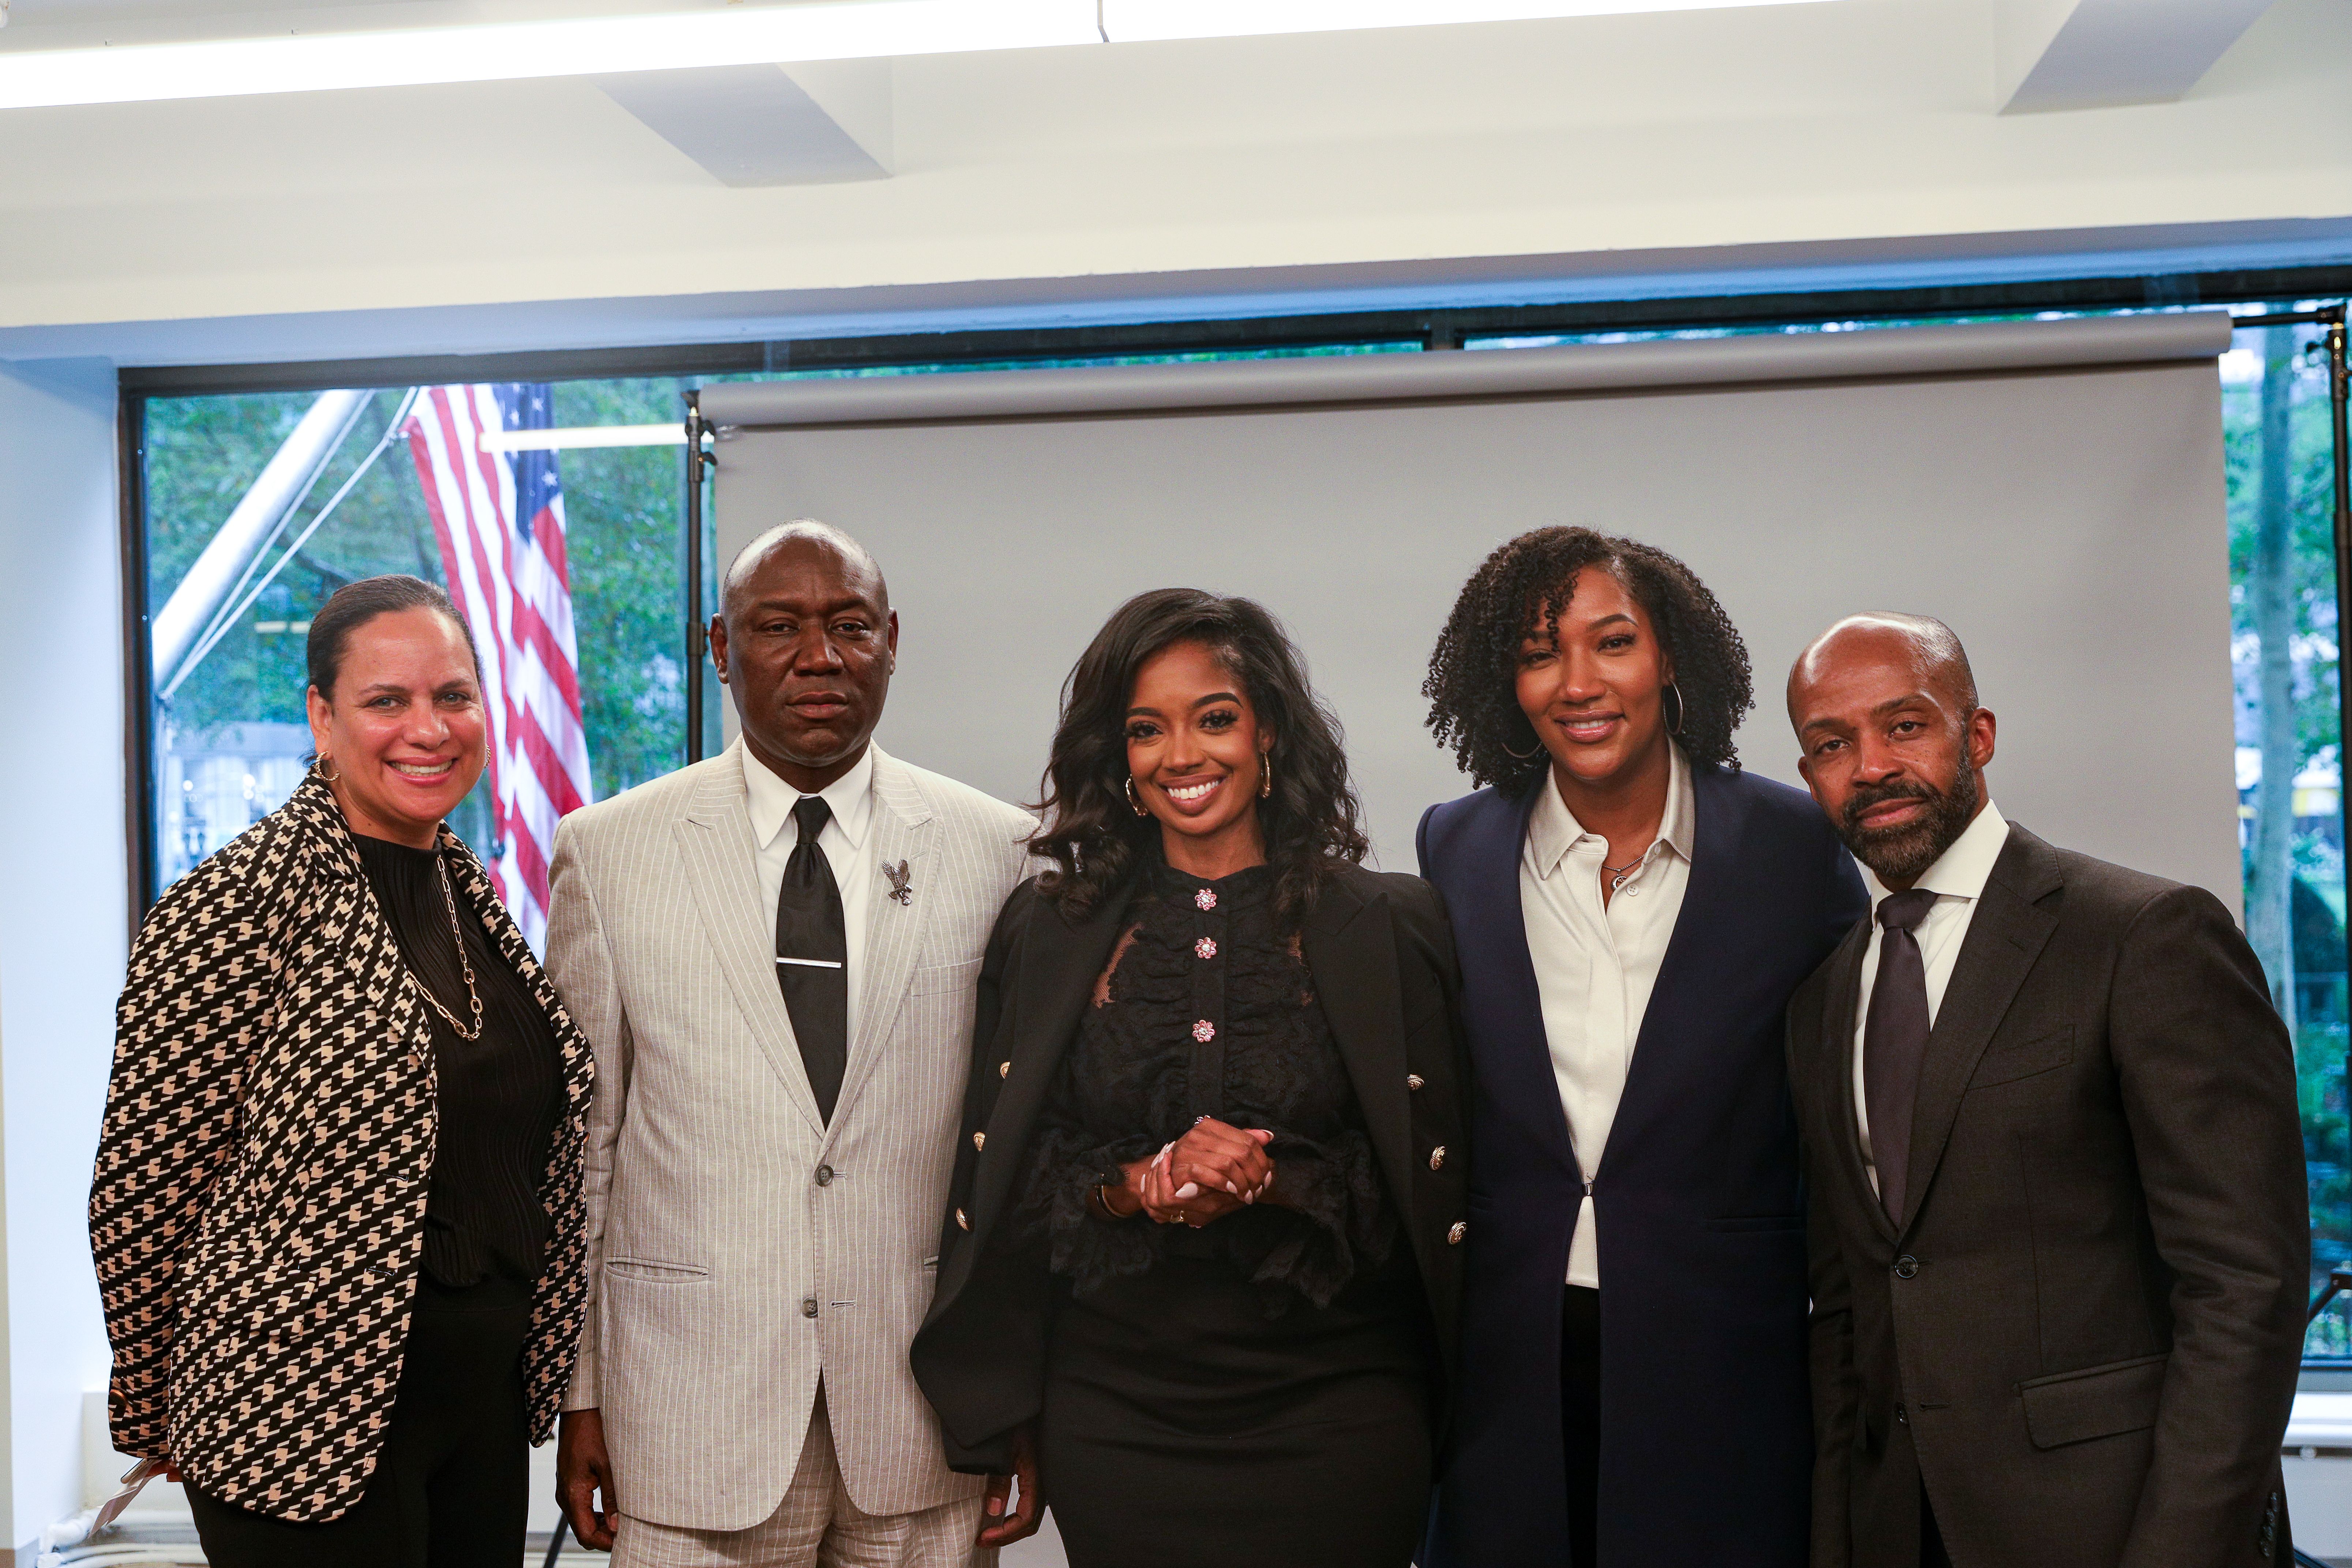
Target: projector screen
column 2054, row 490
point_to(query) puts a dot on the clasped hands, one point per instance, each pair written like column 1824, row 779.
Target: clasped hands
column 1206, row 1174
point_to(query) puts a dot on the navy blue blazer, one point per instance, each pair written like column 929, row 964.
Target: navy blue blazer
column 1706, row 1425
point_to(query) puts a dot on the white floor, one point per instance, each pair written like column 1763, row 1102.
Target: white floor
column 2319, row 1488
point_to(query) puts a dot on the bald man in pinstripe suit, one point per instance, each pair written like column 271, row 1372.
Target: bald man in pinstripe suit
column 775, row 954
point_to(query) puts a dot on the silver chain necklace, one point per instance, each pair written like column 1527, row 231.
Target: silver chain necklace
column 449, row 902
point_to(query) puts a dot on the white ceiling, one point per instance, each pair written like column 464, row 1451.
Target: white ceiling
column 1542, row 159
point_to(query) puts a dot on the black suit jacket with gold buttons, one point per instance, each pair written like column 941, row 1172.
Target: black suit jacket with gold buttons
column 1382, row 956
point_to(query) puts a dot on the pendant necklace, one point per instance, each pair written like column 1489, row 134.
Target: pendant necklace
column 1620, row 875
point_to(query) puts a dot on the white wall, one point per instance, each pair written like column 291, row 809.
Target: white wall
column 62, row 917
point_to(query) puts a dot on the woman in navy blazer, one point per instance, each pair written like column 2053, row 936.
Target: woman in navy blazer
column 1660, row 1416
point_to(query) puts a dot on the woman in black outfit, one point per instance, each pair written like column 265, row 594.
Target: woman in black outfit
column 1203, row 1261
column 337, row 1215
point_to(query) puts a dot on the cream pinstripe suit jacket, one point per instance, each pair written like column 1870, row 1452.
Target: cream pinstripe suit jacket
column 738, row 1246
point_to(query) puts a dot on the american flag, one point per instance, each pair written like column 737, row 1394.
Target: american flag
column 499, row 519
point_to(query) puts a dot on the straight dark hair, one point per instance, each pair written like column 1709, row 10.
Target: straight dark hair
column 1312, row 821
column 354, row 605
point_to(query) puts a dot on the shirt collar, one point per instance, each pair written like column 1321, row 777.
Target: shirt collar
column 772, row 800
column 1962, row 870
column 1553, row 830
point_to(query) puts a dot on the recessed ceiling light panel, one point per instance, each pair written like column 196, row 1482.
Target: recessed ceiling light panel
column 735, row 35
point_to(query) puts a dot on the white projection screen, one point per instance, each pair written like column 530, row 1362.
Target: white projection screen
column 2054, row 490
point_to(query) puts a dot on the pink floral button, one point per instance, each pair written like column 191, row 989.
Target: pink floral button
column 1204, row 1031
column 1205, row 948
column 1205, row 898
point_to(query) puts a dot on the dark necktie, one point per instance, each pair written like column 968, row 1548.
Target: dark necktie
column 813, row 956
column 1895, row 1041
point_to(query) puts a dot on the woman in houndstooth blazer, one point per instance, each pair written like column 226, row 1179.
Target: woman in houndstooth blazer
column 337, row 1212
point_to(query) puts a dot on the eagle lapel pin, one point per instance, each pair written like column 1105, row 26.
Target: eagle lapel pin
column 901, row 889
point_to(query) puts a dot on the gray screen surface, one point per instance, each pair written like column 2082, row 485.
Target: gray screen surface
column 2067, row 521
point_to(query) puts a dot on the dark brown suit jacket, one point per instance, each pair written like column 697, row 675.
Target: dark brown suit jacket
column 2082, row 1338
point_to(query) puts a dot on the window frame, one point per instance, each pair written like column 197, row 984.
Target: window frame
column 1436, row 329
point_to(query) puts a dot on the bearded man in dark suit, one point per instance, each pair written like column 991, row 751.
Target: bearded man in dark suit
column 2057, row 1218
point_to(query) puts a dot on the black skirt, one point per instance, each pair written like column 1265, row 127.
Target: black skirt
column 1182, row 1425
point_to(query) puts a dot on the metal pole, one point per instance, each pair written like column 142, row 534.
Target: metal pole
column 2333, row 318
column 282, row 484
column 695, row 633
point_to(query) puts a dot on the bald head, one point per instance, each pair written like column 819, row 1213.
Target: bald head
column 1922, row 643
column 1891, row 738
column 805, row 535
column 804, row 643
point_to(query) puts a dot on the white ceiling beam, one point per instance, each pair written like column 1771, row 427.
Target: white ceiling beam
column 2099, row 54
column 817, row 124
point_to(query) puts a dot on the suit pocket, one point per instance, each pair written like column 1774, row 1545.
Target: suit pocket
column 2008, row 1063
column 656, row 1273
column 1753, row 1222
column 934, row 978
column 2097, row 1402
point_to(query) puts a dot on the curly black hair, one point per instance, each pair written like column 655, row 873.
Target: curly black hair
column 1473, row 673
column 1094, row 839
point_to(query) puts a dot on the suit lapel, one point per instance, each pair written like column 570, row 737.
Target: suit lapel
column 2006, row 934
column 1045, row 996
column 722, row 861
column 1666, row 1051
column 903, row 829
column 577, row 1057
column 1512, row 1053
column 1833, row 1059
column 1351, row 953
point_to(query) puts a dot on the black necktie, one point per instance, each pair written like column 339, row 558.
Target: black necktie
column 813, row 956
column 1895, row 1041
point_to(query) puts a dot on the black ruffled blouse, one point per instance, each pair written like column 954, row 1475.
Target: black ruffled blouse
column 1208, row 1010
column 499, row 1095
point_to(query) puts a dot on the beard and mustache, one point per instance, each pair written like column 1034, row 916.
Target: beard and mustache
column 1901, row 854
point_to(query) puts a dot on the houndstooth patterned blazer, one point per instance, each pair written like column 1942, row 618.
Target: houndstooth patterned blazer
column 257, row 1211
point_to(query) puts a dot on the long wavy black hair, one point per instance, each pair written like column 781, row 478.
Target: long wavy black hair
column 1096, row 840
column 1474, row 704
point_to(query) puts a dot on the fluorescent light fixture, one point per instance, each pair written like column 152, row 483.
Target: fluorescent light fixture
column 508, row 51
column 1136, row 20
column 574, row 437
column 736, row 35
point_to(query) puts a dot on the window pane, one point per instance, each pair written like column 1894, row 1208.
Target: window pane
column 231, row 738
column 2291, row 817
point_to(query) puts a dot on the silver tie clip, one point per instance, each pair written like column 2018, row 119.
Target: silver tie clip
column 811, row 962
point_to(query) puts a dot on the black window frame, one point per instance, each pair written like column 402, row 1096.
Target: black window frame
column 1436, row 329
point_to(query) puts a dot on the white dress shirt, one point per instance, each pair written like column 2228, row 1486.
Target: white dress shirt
column 1957, row 880
column 851, row 796
column 1595, row 966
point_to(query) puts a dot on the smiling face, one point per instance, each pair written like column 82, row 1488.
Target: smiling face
column 1196, row 754
column 1593, row 686
column 806, row 648
column 1892, row 744
column 403, row 731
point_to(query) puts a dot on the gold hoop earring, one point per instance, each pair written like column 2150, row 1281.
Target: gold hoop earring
column 1676, row 727
column 1131, row 799
column 321, row 767
column 1265, row 775
column 1525, row 756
